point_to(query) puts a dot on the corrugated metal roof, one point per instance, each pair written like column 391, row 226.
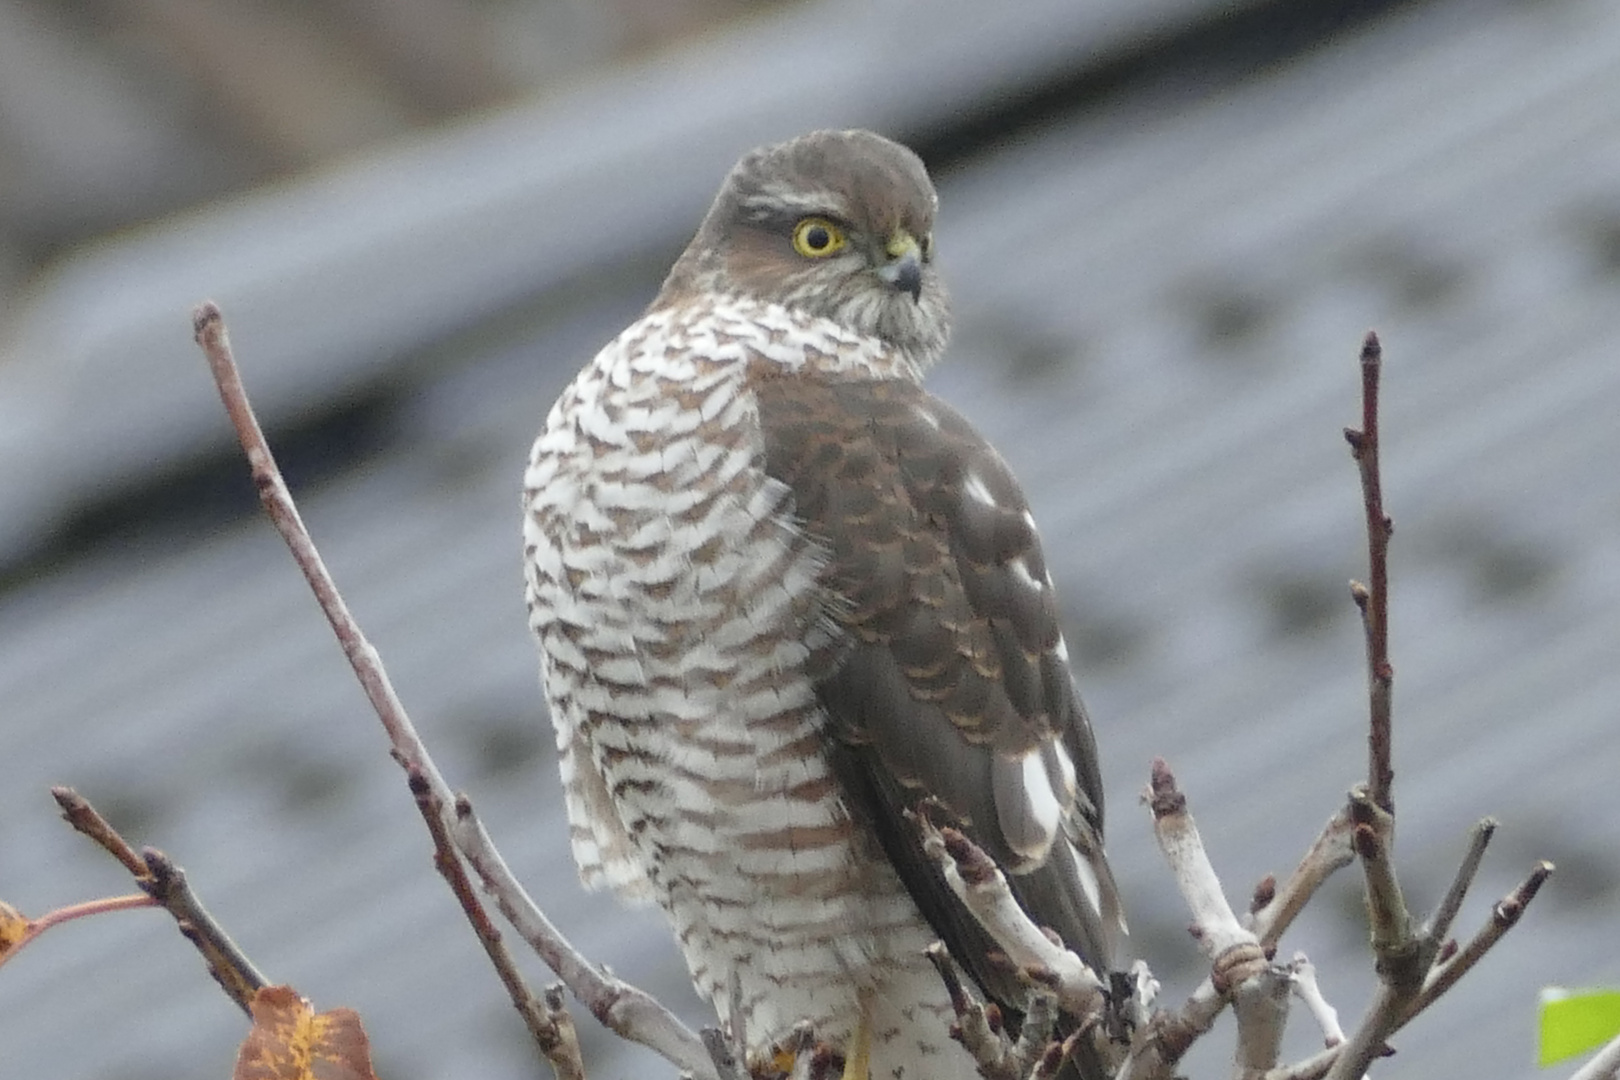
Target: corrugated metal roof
column 1160, row 304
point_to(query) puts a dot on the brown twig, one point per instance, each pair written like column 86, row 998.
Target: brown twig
column 1397, row 949
column 1439, row 924
column 1505, row 915
column 1415, row 965
column 975, row 1027
column 620, row 1007
column 567, row 1060
column 1330, row 852
column 651, row 1025
column 166, row 884
column 208, row 325
column 33, row 928
column 84, row 818
column 1373, row 599
column 1388, row 1015
column 549, row 1024
column 227, row 963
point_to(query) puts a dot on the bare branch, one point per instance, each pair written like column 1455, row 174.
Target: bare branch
column 981, row 1038
column 629, row 1012
column 10, row 946
column 1215, row 924
column 84, row 818
column 980, row 885
column 166, row 884
column 1330, row 852
column 1240, row 972
column 1504, row 916
column 227, row 963
column 208, row 325
column 1373, row 599
column 1314, row 1067
column 619, row 1006
column 565, row 1057
column 1260, row 1004
column 1397, row 949
column 1392, row 1010
column 548, row 1022
column 1161, row 1043
column 1439, row 924
column 1306, row 988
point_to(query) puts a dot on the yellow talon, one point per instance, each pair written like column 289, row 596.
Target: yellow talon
column 783, row 1059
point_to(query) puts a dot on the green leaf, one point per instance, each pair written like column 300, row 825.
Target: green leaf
column 1575, row 1021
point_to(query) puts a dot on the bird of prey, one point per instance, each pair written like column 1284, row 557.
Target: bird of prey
column 783, row 595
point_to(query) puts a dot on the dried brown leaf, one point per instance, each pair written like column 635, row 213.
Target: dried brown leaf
column 290, row 1041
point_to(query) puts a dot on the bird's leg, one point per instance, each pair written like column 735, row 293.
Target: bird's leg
column 858, row 1054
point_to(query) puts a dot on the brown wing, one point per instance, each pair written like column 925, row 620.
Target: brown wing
column 949, row 681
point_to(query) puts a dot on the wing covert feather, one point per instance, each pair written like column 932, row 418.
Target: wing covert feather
column 949, row 681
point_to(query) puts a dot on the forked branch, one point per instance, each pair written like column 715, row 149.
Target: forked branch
column 630, row 1012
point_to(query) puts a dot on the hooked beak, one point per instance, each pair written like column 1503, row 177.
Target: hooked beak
column 903, row 271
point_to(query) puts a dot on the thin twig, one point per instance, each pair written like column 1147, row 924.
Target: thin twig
column 557, row 1043
column 1505, row 914
column 166, row 884
column 666, row 1034
column 33, row 928
column 568, row 1061
column 1330, row 852
column 1400, row 959
column 227, row 963
column 1479, row 837
column 84, row 818
column 1373, row 599
column 1390, row 1012
column 1309, row 991
column 208, row 325
column 984, row 1041
column 624, row 1009
column 1368, row 1040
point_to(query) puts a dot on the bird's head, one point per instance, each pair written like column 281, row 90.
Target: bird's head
column 836, row 224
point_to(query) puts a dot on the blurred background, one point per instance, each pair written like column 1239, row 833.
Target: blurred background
column 1166, row 224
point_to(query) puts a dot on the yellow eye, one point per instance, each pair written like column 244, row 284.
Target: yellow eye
column 816, row 238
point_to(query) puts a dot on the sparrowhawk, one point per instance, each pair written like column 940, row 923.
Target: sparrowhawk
column 783, row 595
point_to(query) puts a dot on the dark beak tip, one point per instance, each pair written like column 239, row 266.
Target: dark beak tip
column 909, row 280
